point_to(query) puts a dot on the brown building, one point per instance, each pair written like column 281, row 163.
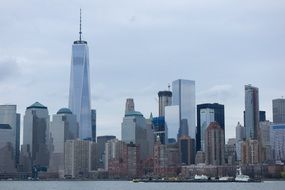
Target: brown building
column 214, row 144
column 250, row 152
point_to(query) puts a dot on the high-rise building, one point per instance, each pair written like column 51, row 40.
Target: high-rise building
column 277, row 136
column 183, row 95
column 93, row 124
column 266, row 151
column 262, row 116
column 79, row 91
column 77, row 158
column 278, row 109
column 63, row 127
column 130, row 105
column 172, row 122
column 230, row 151
column 9, row 138
column 35, row 148
column 251, row 112
column 160, row 129
column 101, row 140
column 134, row 130
column 240, row 137
column 250, row 153
column 186, row 150
column 215, row 144
column 164, row 99
column 205, row 114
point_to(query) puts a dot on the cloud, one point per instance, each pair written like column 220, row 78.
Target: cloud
column 8, row 68
column 219, row 93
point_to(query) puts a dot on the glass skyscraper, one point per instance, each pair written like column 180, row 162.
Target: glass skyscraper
column 79, row 91
column 183, row 95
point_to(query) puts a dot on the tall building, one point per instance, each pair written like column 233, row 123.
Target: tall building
column 183, row 95
column 101, row 140
column 262, row 116
column 250, row 153
column 172, row 122
column 134, row 130
column 266, row 151
column 160, row 129
column 93, row 124
column 215, row 144
column 278, row 109
column 277, row 136
column 63, row 127
column 130, row 105
column 186, row 150
column 79, row 91
column 164, row 99
column 76, row 158
column 35, row 148
column 205, row 114
column 10, row 130
column 240, row 137
column 230, row 151
column 251, row 112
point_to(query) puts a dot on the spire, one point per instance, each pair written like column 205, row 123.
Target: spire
column 80, row 33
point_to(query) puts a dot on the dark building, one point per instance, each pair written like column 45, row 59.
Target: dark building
column 186, row 150
column 262, row 116
column 164, row 99
column 93, row 124
column 219, row 112
column 101, row 140
column 159, row 129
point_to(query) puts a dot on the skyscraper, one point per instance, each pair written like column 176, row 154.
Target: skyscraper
column 130, row 105
column 36, row 137
column 164, row 99
column 215, row 144
column 63, row 127
column 251, row 112
column 278, row 109
column 183, row 95
column 93, row 123
column 79, row 91
column 11, row 119
column 206, row 111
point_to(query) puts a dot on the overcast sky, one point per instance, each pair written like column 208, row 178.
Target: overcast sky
column 137, row 47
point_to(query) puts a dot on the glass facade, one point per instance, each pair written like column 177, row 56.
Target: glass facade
column 172, row 121
column 251, row 115
column 206, row 117
column 183, row 95
column 79, row 91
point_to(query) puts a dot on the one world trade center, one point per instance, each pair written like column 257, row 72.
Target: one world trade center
column 79, row 91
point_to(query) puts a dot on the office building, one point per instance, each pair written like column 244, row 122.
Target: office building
column 277, row 136
column 240, row 137
column 266, row 151
column 77, row 158
column 251, row 112
column 63, row 127
column 130, row 105
column 207, row 113
column 134, row 130
column 101, row 140
column 278, row 109
column 160, row 129
column 214, row 144
column 250, row 153
column 79, row 91
column 183, row 95
column 164, row 99
column 172, row 122
column 186, row 150
column 35, row 148
column 10, row 132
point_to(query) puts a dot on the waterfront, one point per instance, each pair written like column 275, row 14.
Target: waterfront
column 126, row 185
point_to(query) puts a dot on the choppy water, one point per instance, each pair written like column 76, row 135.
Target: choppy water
column 125, row 185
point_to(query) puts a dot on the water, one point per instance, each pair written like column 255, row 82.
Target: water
column 125, row 185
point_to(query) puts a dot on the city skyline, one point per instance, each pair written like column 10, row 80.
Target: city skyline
column 26, row 60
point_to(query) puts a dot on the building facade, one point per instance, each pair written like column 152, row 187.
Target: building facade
column 278, row 109
column 9, row 138
column 63, row 127
column 93, row 124
column 79, row 90
column 277, row 137
column 164, row 99
column 35, row 148
column 214, row 144
column 251, row 112
column 183, row 95
column 207, row 113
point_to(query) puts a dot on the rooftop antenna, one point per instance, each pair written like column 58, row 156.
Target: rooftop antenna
column 168, row 87
column 80, row 33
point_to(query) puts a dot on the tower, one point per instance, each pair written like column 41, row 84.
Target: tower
column 164, row 99
column 278, row 109
column 79, row 91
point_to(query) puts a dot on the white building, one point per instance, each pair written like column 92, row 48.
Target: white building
column 63, row 127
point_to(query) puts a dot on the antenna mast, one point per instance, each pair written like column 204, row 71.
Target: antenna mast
column 80, row 28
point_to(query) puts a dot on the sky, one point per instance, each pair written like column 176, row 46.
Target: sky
column 138, row 47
